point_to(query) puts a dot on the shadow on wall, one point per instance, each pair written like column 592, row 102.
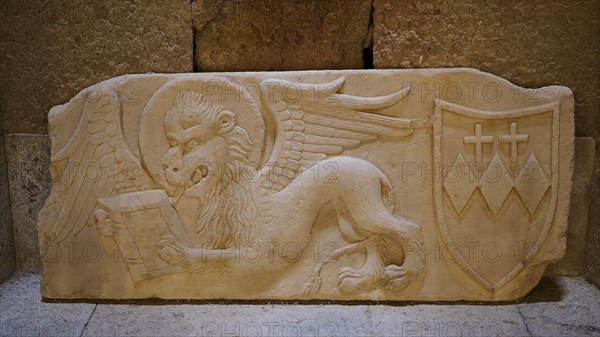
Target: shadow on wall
column 7, row 247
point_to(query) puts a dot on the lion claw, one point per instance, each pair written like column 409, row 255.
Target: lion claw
column 398, row 277
column 352, row 280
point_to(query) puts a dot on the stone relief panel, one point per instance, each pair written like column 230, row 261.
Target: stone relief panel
column 351, row 185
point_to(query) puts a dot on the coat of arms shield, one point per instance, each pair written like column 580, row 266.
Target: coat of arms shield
column 496, row 197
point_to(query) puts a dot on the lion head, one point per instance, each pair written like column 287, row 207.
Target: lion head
column 208, row 160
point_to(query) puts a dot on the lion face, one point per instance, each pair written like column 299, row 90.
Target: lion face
column 204, row 145
column 192, row 162
column 196, row 133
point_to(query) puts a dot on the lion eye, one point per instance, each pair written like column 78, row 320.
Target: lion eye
column 174, row 143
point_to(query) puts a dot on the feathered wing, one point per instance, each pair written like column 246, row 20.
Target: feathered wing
column 314, row 121
column 96, row 162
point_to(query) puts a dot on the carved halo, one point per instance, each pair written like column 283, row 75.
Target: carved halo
column 232, row 95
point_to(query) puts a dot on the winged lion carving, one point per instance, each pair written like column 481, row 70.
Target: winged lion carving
column 194, row 155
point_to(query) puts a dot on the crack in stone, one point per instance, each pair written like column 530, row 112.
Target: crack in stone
column 368, row 46
column 524, row 321
column 88, row 321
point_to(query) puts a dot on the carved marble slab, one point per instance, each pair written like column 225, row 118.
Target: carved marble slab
column 447, row 184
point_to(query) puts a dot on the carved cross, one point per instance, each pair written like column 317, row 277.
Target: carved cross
column 478, row 140
column 514, row 139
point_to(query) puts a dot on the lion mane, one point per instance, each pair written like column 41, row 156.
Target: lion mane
column 227, row 216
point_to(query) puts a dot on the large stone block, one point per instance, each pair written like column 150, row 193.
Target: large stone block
column 573, row 263
column 307, row 185
column 242, row 35
column 593, row 234
column 530, row 43
column 52, row 49
column 29, row 175
column 7, row 244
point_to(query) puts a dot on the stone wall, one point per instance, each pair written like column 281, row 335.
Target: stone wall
column 7, row 246
column 50, row 50
column 280, row 35
column 592, row 270
column 28, row 158
column 530, row 43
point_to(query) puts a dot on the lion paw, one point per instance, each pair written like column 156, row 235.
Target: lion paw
column 174, row 252
column 398, row 277
column 352, row 280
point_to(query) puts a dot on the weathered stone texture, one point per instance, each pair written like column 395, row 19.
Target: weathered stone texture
column 531, row 43
column 7, row 245
column 23, row 314
column 593, row 234
column 576, row 315
column 28, row 159
column 234, row 35
column 573, row 263
column 50, row 50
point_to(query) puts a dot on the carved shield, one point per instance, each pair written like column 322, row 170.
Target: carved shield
column 495, row 196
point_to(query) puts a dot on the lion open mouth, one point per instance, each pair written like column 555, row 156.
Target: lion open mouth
column 198, row 176
column 190, row 187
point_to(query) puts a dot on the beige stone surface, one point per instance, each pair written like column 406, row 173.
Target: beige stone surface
column 593, row 235
column 49, row 50
column 28, row 162
column 346, row 185
column 234, row 35
column 7, row 244
column 530, row 43
column 573, row 263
